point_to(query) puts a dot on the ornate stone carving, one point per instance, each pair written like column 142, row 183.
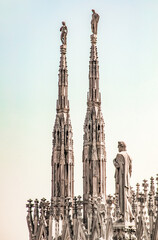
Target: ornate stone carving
column 94, row 217
column 94, row 154
column 62, row 154
column 124, row 233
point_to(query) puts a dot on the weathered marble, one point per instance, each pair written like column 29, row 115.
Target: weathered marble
column 128, row 214
column 62, row 153
column 123, row 170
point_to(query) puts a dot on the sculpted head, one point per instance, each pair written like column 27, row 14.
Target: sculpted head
column 93, row 10
column 63, row 23
column 121, row 146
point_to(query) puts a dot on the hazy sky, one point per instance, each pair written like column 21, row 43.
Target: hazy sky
column 29, row 63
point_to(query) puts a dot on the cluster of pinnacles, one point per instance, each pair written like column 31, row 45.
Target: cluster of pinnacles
column 53, row 220
column 128, row 214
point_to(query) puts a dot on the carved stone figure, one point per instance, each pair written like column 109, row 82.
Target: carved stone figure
column 123, row 170
column 64, row 32
column 94, row 21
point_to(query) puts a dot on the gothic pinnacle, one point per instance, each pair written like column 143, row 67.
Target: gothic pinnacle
column 62, row 102
column 62, row 154
column 127, row 214
column 94, row 95
column 94, row 154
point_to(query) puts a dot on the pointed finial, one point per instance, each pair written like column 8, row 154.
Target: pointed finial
column 29, row 216
column 68, row 206
column 29, row 205
column 36, row 213
column 79, row 207
column 152, row 186
column 42, row 206
column 47, row 209
column 156, row 201
column 75, row 207
column 36, row 201
column 145, row 187
column 137, row 190
column 133, row 202
column 141, row 199
column 156, row 197
column 150, row 204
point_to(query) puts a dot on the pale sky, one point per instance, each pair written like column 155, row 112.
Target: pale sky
column 30, row 54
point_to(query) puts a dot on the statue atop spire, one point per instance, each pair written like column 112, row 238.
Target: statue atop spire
column 129, row 214
column 94, row 22
column 94, row 153
column 62, row 154
column 64, row 32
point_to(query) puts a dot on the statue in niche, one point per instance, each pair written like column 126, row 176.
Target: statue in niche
column 123, row 170
column 64, row 32
column 94, row 21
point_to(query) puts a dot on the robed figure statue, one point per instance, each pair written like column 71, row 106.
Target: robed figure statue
column 63, row 31
column 94, row 21
column 123, row 170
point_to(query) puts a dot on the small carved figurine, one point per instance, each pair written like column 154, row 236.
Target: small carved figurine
column 64, row 32
column 94, row 21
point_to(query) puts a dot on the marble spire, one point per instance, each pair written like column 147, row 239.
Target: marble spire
column 62, row 153
column 94, row 154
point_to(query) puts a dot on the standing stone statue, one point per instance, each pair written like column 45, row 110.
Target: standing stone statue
column 94, row 21
column 123, row 170
column 63, row 31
